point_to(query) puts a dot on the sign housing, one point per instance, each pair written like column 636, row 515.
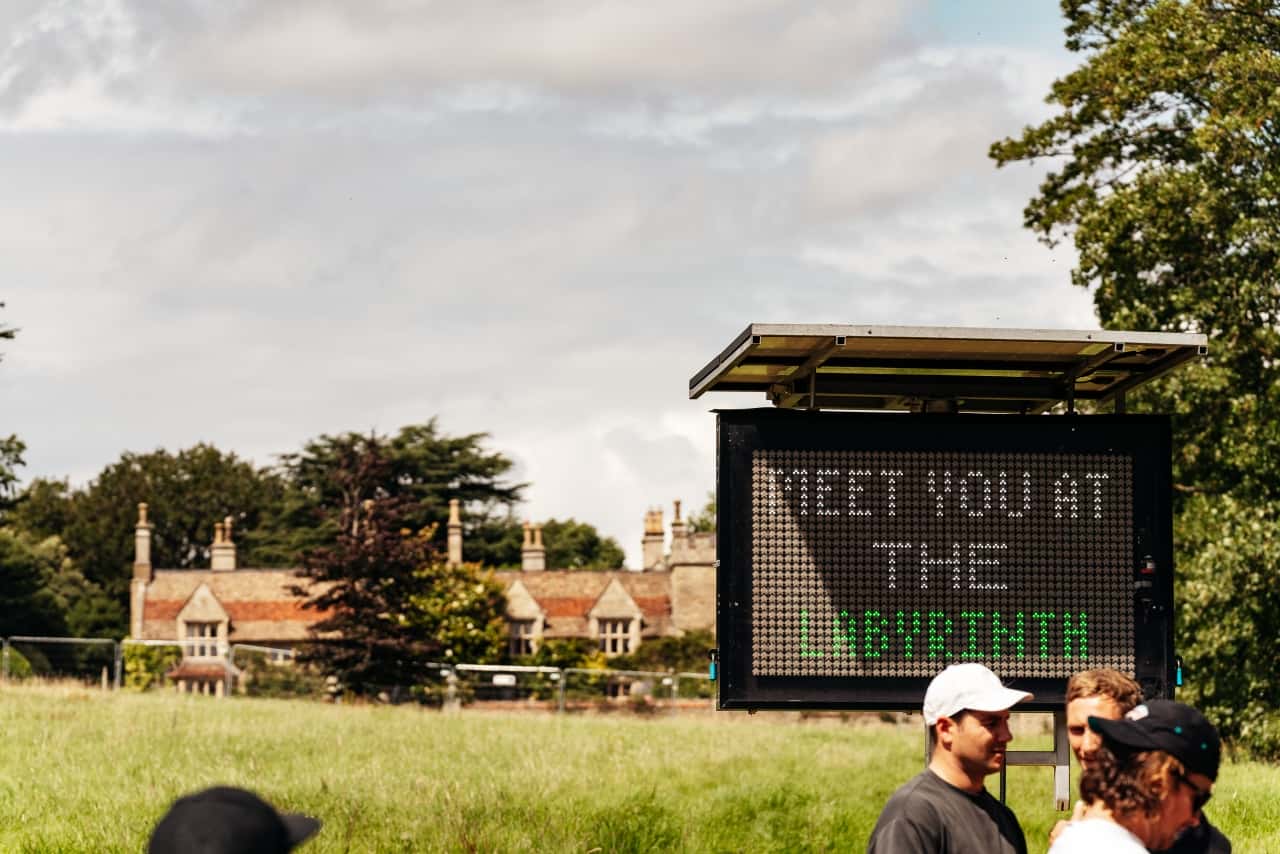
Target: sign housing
column 859, row 554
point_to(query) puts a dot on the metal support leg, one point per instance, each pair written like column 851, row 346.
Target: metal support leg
column 1062, row 762
column 1059, row 759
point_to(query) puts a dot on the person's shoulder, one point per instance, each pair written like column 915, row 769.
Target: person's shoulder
column 1204, row 838
column 1215, row 841
column 923, row 788
column 909, row 820
column 915, row 801
column 1089, row 836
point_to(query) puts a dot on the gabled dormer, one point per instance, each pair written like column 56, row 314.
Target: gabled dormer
column 615, row 620
column 203, row 625
column 525, row 621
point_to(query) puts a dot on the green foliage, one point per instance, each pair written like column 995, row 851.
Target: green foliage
column 145, row 666
column 705, row 519
column 576, row 545
column 36, row 582
column 187, row 493
column 684, row 654
column 11, row 451
column 687, row 653
column 420, row 469
column 19, row 667
column 565, row 652
column 1230, row 613
column 1166, row 175
column 570, row 544
column 462, row 609
column 392, row 606
column 262, row 678
column 1168, row 178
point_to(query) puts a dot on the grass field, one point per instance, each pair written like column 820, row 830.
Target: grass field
column 86, row 771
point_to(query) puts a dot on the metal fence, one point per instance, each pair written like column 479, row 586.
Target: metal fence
column 88, row 660
column 145, row 665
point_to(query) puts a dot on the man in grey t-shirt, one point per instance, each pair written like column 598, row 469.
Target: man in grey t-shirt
column 946, row 808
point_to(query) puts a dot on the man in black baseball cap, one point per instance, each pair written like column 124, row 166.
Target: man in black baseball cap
column 223, row 820
column 1150, row 778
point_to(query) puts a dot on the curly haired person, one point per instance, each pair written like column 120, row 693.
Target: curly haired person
column 1146, row 782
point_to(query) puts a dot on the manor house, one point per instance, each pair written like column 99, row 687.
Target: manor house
column 205, row 611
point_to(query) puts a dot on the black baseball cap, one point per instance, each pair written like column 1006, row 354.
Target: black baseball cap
column 1175, row 728
column 223, row 820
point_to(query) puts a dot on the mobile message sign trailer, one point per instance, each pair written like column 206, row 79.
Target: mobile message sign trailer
column 861, row 552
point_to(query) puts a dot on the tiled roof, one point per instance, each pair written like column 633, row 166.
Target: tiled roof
column 258, row 602
column 567, row 595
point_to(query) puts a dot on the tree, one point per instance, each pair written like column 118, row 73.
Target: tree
column 570, row 544
column 11, row 451
column 421, row 469
column 1167, row 178
column 1228, row 565
column 704, row 521
column 576, row 545
column 391, row 606
column 28, row 605
column 42, row 593
column 187, row 493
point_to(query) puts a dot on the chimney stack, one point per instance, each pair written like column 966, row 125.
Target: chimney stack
column 455, row 534
column 142, row 572
column 678, row 527
column 533, row 555
column 142, row 547
column 223, row 552
column 652, row 546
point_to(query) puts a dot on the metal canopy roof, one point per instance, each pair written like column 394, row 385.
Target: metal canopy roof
column 839, row 366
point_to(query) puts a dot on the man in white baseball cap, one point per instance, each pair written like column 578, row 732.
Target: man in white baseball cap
column 946, row 809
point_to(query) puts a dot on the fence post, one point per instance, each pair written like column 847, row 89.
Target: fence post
column 560, row 700
column 675, row 688
column 119, row 662
column 4, row 669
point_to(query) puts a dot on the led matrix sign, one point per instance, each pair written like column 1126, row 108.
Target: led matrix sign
column 868, row 552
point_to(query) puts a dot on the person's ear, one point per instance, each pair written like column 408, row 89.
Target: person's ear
column 946, row 731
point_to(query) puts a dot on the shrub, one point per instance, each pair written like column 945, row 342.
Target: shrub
column 262, row 678
column 1229, row 619
column 145, row 666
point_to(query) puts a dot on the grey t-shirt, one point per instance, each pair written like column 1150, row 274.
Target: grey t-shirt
column 930, row 816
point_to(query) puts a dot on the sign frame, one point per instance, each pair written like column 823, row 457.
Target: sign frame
column 1146, row 438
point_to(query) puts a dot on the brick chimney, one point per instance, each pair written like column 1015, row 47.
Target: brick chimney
column 653, row 543
column 455, row 534
column 223, row 552
column 533, row 555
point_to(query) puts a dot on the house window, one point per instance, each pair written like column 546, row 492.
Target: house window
column 615, row 636
column 520, row 638
column 202, row 640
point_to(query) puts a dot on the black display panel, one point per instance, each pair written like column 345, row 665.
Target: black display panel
column 862, row 553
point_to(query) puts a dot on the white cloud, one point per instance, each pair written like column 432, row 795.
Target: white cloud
column 253, row 223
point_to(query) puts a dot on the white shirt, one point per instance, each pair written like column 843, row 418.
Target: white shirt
column 1095, row 836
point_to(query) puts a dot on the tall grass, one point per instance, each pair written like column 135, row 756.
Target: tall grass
column 85, row 771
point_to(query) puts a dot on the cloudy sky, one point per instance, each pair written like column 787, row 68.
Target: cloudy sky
column 250, row 223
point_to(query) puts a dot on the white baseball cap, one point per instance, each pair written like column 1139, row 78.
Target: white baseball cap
column 968, row 686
